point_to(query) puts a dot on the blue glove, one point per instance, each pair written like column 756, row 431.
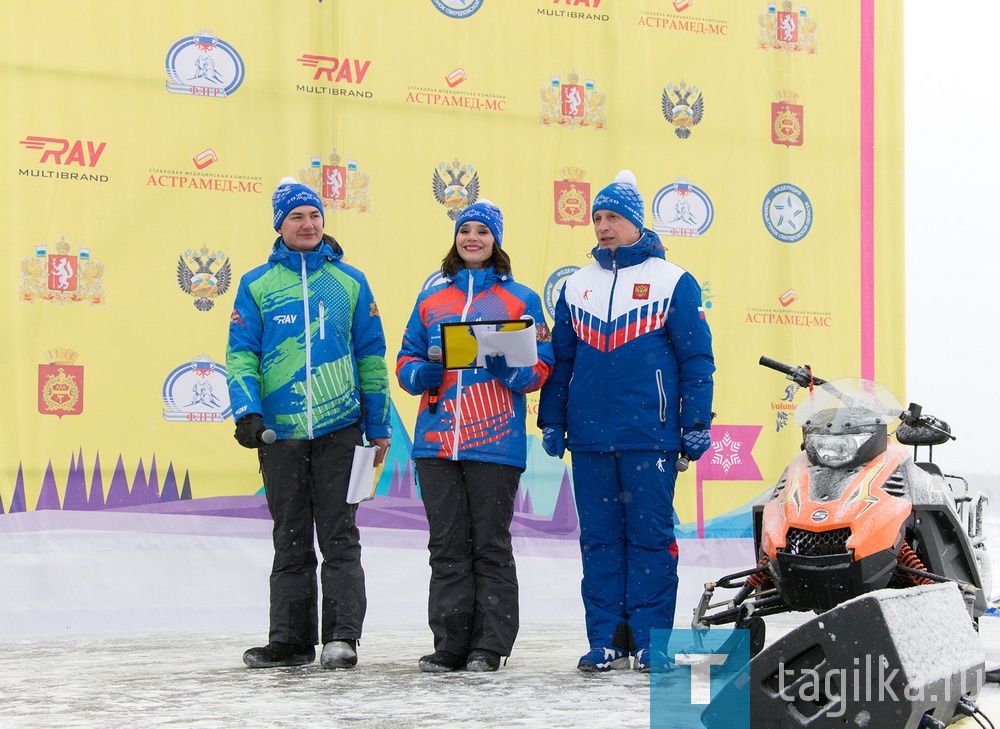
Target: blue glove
column 427, row 375
column 554, row 441
column 696, row 441
column 496, row 365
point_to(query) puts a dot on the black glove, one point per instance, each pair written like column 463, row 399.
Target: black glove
column 249, row 429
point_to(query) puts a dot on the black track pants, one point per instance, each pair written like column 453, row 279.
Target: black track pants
column 306, row 485
column 473, row 590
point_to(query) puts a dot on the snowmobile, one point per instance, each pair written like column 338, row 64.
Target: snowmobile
column 886, row 549
column 855, row 512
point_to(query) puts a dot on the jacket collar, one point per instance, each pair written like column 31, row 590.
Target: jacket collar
column 327, row 250
column 648, row 246
column 480, row 278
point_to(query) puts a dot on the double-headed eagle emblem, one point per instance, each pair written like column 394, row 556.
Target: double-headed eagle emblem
column 456, row 194
column 204, row 276
column 683, row 107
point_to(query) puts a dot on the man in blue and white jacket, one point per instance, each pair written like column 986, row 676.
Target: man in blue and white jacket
column 631, row 391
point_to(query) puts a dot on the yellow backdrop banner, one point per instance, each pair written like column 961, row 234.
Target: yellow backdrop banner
column 142, row 143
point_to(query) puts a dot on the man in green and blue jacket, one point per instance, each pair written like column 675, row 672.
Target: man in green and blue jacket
column 307, row 378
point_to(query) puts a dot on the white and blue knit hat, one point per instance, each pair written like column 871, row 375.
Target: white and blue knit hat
column 289, row 195
column 623, row 197
column 486, row 213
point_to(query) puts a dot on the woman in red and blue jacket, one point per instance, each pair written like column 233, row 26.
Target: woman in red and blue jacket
column 470, row 446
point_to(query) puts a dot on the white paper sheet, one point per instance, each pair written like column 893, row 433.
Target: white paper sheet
column 364, row 475
column 518, row 345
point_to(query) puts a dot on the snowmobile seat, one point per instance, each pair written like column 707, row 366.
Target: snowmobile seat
column 919, row 435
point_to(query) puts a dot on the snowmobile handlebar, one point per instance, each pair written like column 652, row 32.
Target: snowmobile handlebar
column 912, row 416
column 801, row 376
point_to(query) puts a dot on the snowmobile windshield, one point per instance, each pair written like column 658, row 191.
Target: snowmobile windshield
column 848, row 405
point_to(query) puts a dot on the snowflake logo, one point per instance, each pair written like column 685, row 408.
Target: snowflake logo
column 726, row 453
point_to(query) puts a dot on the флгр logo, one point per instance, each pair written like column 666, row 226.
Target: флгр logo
column 204, row 65
column 196, row 392
column 682, row 209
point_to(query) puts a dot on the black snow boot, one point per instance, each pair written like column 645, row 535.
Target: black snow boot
column 273, row 655
column 483, row 660
column 339, row 654
column 441, row 662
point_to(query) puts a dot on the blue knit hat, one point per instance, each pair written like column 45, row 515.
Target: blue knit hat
column 289, row 195
column 487, row 213
column 623, row 197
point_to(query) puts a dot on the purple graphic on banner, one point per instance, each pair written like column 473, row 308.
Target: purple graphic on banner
column 17, row 503
column 48, row 497
column 562, row 523
column 118, row 493
column 140, row 491
column 544, row 505
column 75, row 497
column 169, row 492
column 96, row 501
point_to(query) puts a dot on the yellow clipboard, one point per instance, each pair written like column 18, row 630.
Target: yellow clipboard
column 461, row 342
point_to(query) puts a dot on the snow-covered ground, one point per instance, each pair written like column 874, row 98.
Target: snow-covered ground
column 199, row 681
column 196, row 680
column 141, row 623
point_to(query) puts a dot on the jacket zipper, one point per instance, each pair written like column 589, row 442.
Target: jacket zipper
column 611, row 296
column 663, row 398
column 322, row 320
column 308, row 340
column 458, row 385
column 611, row 303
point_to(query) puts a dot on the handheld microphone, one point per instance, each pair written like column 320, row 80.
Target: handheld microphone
column 683, row 462
column 434, row 355
column 268, row 437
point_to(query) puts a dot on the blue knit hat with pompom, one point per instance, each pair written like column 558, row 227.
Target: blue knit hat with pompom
column 623, row 197
column 289, row 195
